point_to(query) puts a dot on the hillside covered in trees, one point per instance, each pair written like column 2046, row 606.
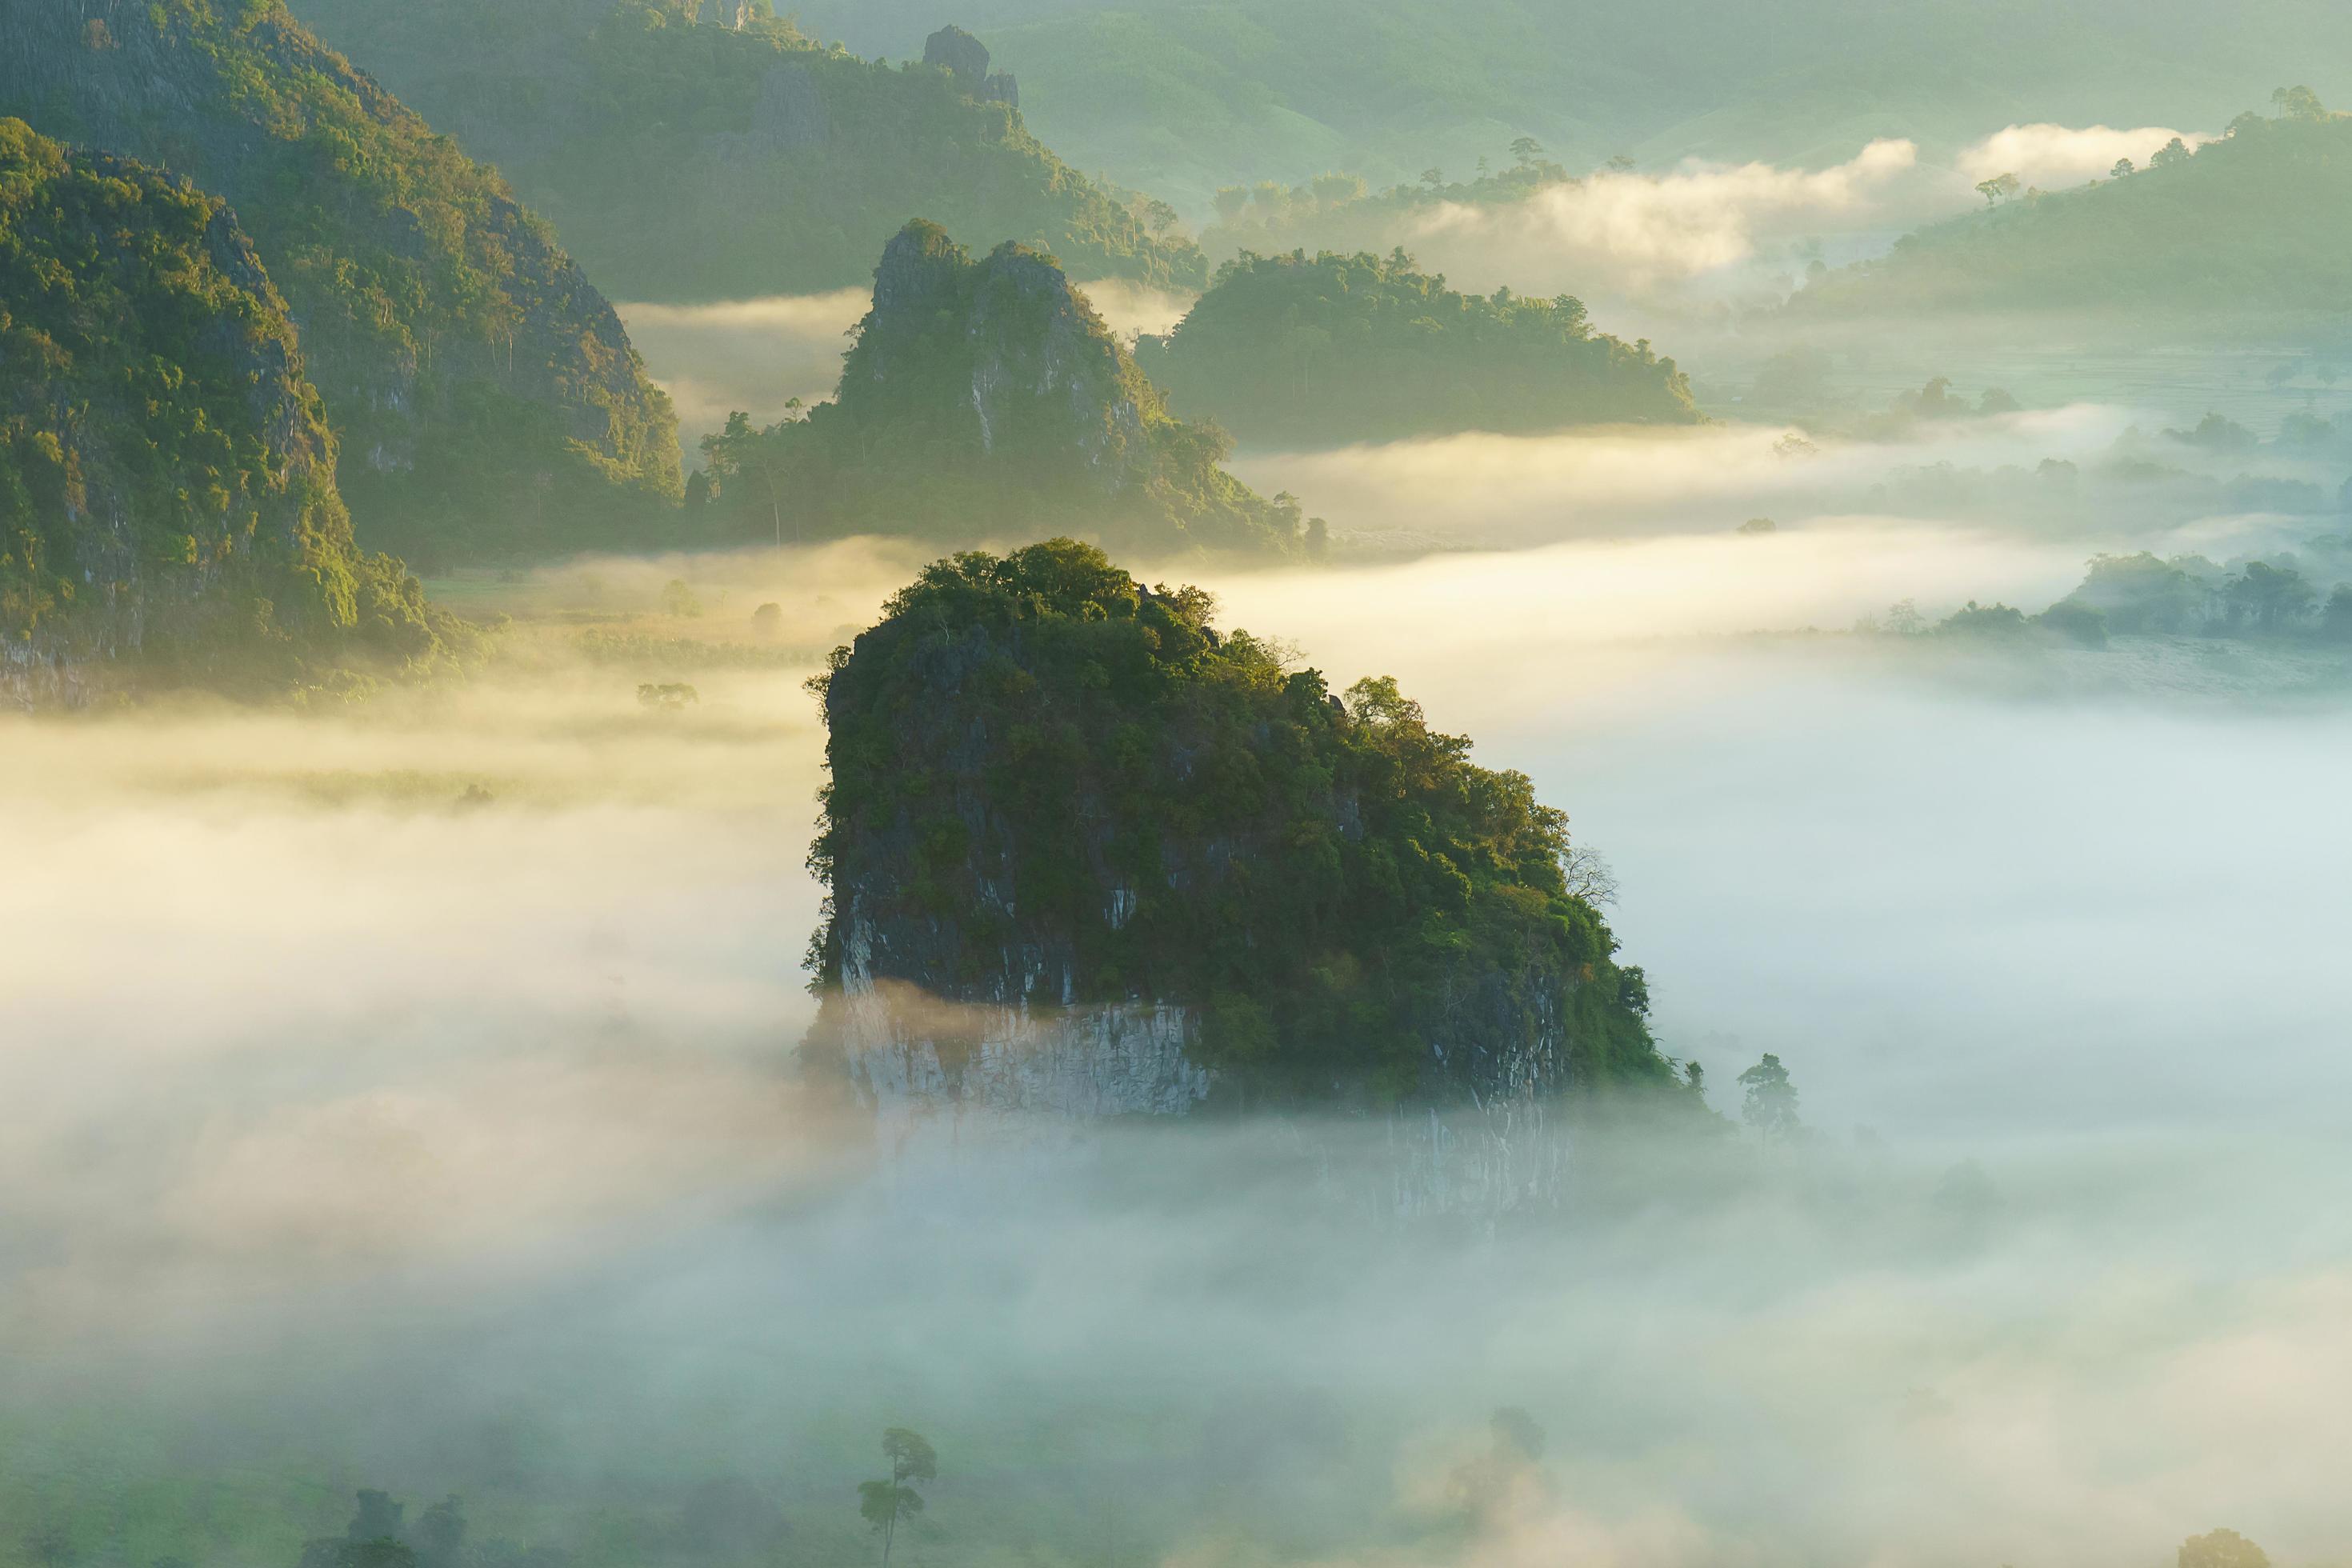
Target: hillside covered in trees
column 1337, row 348
column 2252, row 225
column 484, row 393
column 168, row 506
column 1050, row 780
column 983, row 399
column 689, row 151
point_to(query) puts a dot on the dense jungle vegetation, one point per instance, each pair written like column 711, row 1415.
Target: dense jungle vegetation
column 1337, row 348
column 167, row 478
column 484, row 393
column 1354, row 905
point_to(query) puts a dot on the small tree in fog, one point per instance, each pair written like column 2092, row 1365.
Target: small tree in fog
column 885, row 1502
column 2222, row 1549
column 2298, row 103
column 1771, row 1107
column 1587, row 875
column 1999, row 186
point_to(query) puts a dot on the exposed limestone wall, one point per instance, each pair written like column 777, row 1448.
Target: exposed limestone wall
column 946, row 1081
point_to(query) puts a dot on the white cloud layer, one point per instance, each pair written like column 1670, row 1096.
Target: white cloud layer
column 2055, row 156
column 1635, row 231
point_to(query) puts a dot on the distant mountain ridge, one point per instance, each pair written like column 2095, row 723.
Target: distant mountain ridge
column 484, row 392
column 1183, row 96
column 691, row 152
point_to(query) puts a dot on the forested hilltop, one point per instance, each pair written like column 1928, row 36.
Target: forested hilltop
column 484, row 393
column 691, row 151
column 1337, row 348
column 168, row 506
column 984, row 399
column 1052, row 785
column 2254, row 225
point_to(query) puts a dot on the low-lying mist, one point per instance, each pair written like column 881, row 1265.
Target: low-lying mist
column 401, row 1096
column 2066, row 480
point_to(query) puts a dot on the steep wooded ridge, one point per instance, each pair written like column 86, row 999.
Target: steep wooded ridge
column 485, row 395
column 1069, row 801
column 691, row 152
column 984, row 399
column 168, row 508
column 2254, row 225
column 1334, row 348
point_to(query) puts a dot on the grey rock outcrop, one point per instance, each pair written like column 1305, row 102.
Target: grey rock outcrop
column 1031, row 354
column 957, row 52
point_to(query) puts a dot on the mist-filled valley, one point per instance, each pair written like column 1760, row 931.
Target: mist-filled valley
column 459, row 1159
column 962, row 789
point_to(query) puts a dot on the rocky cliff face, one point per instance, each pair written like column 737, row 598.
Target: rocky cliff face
column 965, row 58
column 456, row 347
column 168, row 503
column 1087, row 855
column 1007, row 354
column 1029, row 416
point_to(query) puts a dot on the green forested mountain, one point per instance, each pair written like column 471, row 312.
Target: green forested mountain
column 1183, row 96
column 168, row 506
column 2258, row 224
column 984, row 398
column 1050, row 781
column 687, row 157
column 483, row 391
column 1347, row 348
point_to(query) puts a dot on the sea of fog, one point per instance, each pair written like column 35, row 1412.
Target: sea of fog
column 356, row 1136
